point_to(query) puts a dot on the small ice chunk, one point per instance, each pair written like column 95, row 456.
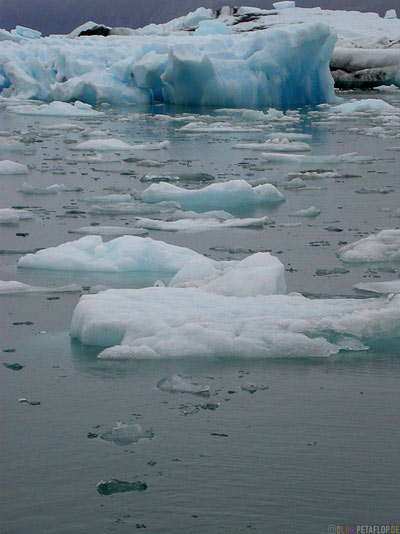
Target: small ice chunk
column 252, row 388
column 12, row 167
column 124, row 434
column 179, row 384
column 276, row 145
column 108, row 230
column 295, row 183
column 56, row 109
column 309, row 212
column 12, row 287
column 27, row 33
column 375, row 105
column 391, row 14
column 116, row 145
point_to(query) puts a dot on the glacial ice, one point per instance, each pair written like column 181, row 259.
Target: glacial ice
column 12, row 167
column 123, row 254
column 225, row 195
column 161, row 322
column 180, row 384
column 381, row 247
column 237, row 70
column 371, row 105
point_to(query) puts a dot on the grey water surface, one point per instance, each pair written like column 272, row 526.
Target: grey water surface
column 315, row 446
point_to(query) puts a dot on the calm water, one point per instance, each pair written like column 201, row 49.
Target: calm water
column 318, row 448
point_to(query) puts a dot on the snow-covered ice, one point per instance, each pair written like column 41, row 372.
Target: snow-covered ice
column 201, row 224
column 12, row 287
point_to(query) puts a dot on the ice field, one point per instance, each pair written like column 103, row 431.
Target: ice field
column 201, row 325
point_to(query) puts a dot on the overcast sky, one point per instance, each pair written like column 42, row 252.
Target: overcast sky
column 62, row 16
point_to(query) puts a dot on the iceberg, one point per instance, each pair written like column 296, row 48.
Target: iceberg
column 108, row 230
column 160, row 322
column 381, row 247
column 225, row 195
column 276, row 145
column 281, row 67
column 123, row 254
column 116, row 145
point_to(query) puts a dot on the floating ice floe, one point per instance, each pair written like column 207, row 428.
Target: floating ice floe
column 258, row 274
column 127, row 253
column 108, row 231
column 12, row 167
column 171, row 322
column 383, row 246
column 134, row 208
column 124, row 434
column 13, row 287
column 201, row 224
column 380, row 288
column 276, row 145
column 295, row 183
column 333, row 159
column 370, row 105
column 216, row 127
column 116, row 145
column 56, row 109
column 29, row 189
column 65, row 127
column 231, row 194
column 179, row 384
column 14, row 216
column 111, row 199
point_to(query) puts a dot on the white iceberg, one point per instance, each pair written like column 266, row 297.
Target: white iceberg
column 276, row 145
column 310, row 212
column 381, row 247
column 225, row 195
column 201, row 224
column 116, row 145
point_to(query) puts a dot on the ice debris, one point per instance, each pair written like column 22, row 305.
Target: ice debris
column 180, row 384
column 124, row 434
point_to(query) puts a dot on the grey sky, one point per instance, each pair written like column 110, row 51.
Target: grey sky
column 62, row 16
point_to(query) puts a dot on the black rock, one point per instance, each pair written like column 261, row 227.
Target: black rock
column 119, row 486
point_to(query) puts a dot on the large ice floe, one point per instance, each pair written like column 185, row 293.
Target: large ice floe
column 171, row 322
column 224, row 195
